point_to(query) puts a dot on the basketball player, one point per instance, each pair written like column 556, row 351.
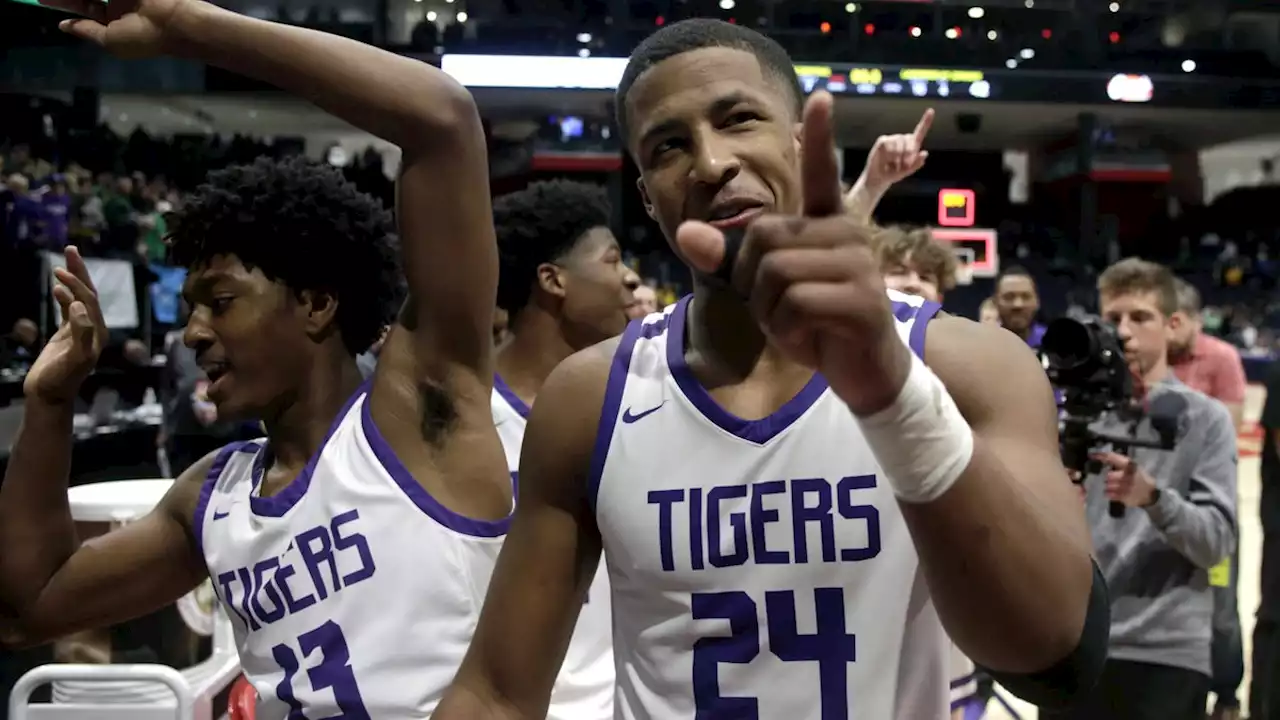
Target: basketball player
column 782, row 489
column 352, row 547
column 565, row 287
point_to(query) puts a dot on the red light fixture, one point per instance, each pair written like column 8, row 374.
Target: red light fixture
column 958, row 32
column 869, row 29
column 1114, row 37
column 659, row 21
column 733, row 21
column 1046, row 33
column 825, row 28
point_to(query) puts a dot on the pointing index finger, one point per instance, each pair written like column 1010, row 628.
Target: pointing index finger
column 819, row 172
column 922, row 127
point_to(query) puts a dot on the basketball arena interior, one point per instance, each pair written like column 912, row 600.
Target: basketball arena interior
column 1062, row 137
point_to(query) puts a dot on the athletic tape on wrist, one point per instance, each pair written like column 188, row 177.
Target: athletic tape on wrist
column 921, row 441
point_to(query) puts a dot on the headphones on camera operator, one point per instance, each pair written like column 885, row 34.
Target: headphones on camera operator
column 1085, row 361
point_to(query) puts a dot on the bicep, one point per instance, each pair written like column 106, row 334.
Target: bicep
column 126, row 573
column 448, row 246
column 1015, row 418
column 551, row 553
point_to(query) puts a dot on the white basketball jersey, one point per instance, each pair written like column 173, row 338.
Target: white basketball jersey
column 760, row 568
column 584, row 687
column 354, row 593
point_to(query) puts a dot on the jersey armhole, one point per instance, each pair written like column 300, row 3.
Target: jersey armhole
column 206, row 489
column 614, row 387
column 927, row 312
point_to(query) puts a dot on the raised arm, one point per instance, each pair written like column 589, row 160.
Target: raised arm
column 450, row 257
column 50, row 584
column 548, row 560
column 892, row 159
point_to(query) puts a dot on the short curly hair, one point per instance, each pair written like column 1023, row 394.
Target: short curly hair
column 893, row 245
column 303, row 224
column 540, row 224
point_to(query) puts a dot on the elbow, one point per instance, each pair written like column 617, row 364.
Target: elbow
column 1077, row 667
column 444, row 117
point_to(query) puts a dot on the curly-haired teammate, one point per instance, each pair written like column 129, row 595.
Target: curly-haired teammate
column 565, row 286
column 352, row 548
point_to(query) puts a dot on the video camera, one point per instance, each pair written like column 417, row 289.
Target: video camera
column 1085, row 360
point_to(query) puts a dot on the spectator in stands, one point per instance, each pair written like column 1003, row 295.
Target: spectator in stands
column 646, row 301
column 914, row 263
column 1017, row 303
column 22, row 213
column 120, row 237
column 368, row 360
column 1179, row 522
column 988, row 313
column 1264, row 690
column 55, row 202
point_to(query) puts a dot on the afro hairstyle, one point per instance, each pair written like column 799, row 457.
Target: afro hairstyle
column 698, row 33
column 541, row 224
column 302, row 224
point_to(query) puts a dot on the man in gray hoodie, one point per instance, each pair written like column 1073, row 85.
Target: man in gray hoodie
column 1179, row 521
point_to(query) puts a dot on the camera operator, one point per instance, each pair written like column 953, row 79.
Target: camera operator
column 1178, row 520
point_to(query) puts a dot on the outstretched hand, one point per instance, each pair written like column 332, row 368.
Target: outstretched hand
column 895, row 158
column 73, row 351
column 125, row 28
column 811, row 281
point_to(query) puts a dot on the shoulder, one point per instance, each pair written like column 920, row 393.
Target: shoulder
column 1205, row 414
column 191, row 488
column 989, row 371
column 583, row 377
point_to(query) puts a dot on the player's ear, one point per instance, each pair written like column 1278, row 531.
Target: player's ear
column 797, row 137
column 321, row 312
column 644, row 198
column 551, row 279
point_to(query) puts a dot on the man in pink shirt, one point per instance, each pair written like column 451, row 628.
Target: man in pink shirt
column 1202, row 361
column 1213, row 367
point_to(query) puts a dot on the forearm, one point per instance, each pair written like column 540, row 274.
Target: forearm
column 404, row 101
column 862, row 199
column 1200, row 532
column 37, row 534
column 1237, row 415
column 464, row 701
column 1007, row 563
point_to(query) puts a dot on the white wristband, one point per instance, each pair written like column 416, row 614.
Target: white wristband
column 921, row 441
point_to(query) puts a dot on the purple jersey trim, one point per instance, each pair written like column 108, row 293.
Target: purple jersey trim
column 754, row 431
column 927, row 312
column 509, row 395
column 418, row 494
column 614, row 387
column 210, row 483
column 282, row 502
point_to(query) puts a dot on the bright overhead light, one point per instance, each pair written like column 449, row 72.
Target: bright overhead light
column 851, row 8
column 584, row 37
column 1114, row 7
column 976, row 12
column 992, row 34
column 1011, row 63
column 952, row 33
column 1188, row 66
column 726, row 4
column 431, row 16
column 1027, row 53
column 462, row 16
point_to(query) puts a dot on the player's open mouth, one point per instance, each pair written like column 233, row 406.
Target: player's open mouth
column 216, row 372
column 735, row 213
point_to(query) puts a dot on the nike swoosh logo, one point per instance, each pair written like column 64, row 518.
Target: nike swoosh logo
column 219, row 515
column 628, row 417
